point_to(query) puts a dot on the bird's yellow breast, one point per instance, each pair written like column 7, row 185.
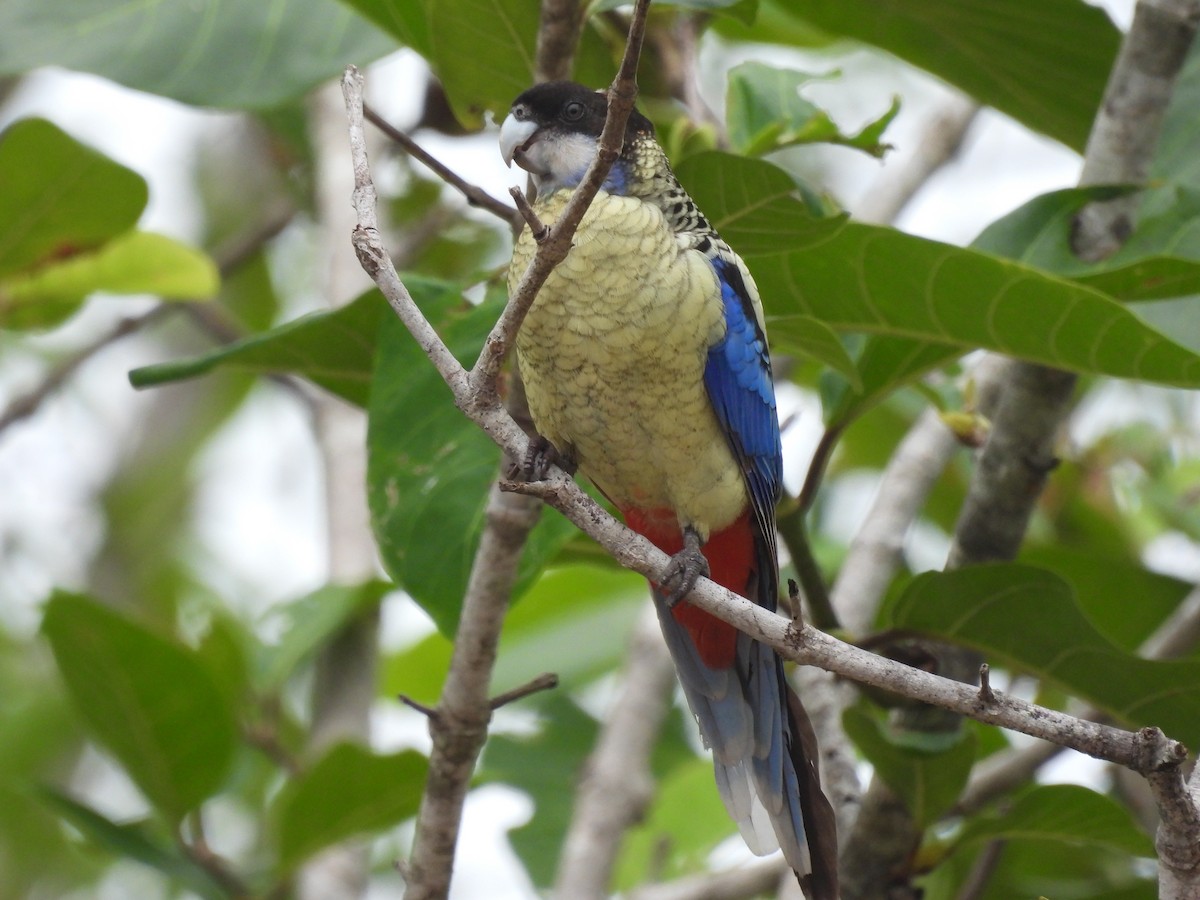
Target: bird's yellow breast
column 613, row 354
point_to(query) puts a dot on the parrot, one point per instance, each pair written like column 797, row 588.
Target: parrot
column 646, row 369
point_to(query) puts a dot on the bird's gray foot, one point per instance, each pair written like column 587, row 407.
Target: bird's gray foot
column 685, row 568
column 539, row 458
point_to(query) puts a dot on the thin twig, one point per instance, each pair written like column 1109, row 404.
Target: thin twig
column 29, row 403
column 428, row 711
column 217, row 868
column 474, row 194
column 553, row 250
column 545, row 682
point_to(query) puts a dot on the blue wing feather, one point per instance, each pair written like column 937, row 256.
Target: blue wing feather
column 737, row 376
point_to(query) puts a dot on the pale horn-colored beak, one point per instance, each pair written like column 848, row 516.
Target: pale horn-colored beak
column 514, row 134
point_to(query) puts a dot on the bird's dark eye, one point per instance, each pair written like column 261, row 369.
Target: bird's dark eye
column 573, row 111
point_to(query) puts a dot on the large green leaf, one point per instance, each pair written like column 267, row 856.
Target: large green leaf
column 1161, row 258
column 1027, row 618
column 241, row 53
column 405, row 20
column 59, row 197
column 350, row 790
column 429, row 469
column 929, row 782
column 483, row 52
column 1105, row 585
column 335, row 349
column 150, row 701
column 1043, row 62
column 876, row 280
column 477, row 79
column 1063, row 812
column 137, row 262
column 574, row 621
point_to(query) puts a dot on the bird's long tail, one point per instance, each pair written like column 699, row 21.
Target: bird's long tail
column 764, row 750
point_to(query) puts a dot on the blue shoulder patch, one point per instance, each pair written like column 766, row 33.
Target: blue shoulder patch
column 616, row 182
column 737, row 377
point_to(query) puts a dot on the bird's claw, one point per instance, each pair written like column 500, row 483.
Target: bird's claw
column 540, row 457
column 685, row 569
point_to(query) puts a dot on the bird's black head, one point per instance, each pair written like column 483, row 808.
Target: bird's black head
column 552, row 131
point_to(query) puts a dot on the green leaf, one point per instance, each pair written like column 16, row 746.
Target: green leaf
column 1038, row 234
column 476, row 81
column 757, row 207
column 877, row 280
column 1028, row 619
column 929, row 783
column 137, row 262
column 349, row 791
column 405, row 20
column 1065, row 813
column 1104, row 582
column 132, row 840
column 335, row 349
column 243, row 54
column 150, row 701
column 309, row 622
column 805, row 336
column 765, row 112
column 224, row 650
column 883, row 363
column 864, row 278
column 543, row 765
column 578, row 641
column 685, row 823
column 1043, row 62
column 429, row 469
column 59, row 197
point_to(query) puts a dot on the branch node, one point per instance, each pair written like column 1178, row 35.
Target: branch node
column 986, row 695
column 544, row 682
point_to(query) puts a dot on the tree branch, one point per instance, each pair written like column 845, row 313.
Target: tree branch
column 1019, row 453
column 558, row 35
column 459, row 727
column 475, row 195
column 554, row 248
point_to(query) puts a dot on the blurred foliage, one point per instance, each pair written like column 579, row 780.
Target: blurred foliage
column 149, row 677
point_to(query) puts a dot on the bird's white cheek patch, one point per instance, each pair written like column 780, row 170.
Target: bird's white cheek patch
column 560, row 161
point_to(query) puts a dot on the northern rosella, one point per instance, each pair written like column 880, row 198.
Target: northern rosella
column 645, row 364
